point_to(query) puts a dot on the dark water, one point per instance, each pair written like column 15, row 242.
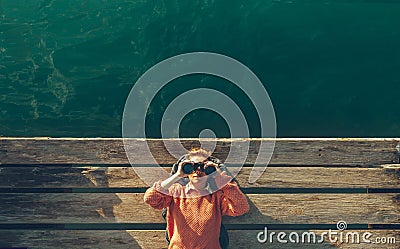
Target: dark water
column 331, row 68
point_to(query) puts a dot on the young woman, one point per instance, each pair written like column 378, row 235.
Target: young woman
column 195, row 210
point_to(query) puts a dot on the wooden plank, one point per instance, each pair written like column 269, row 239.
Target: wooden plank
column 273, row 177
column 316, row 151
column 265, row 208
column 155, row 239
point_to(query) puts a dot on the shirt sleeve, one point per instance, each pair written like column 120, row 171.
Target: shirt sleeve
column 157, row 197
column 234, row 202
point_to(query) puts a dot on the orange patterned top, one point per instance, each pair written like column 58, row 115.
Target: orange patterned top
column 194, row 222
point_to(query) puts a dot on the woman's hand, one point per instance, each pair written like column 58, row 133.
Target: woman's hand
column 211, row 164
column 221, row 178
column 180, row 172
column 175, row 177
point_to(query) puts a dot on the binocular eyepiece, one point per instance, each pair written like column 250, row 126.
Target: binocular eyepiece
column 190, row 167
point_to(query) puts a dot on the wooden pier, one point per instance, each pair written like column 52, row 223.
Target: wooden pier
column 83, row 192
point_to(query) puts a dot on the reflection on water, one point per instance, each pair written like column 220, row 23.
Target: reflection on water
column 330, row 67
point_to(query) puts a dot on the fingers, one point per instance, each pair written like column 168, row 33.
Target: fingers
column 184, row 161
column 209, row 163
column 180, row 168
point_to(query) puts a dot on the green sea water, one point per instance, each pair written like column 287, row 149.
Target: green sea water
column 331, row 68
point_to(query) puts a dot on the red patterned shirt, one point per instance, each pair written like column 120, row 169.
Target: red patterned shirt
column 195, row 222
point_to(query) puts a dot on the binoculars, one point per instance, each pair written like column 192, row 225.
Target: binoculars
column 190, row 167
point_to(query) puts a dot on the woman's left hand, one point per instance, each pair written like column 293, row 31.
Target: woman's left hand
column 221, row 178
column 209, row 163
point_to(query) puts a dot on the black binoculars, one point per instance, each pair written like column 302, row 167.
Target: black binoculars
column 190, row 167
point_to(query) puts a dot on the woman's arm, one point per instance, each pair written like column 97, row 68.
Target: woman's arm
column 159, row 195
column 170, row 180
column 234, row 202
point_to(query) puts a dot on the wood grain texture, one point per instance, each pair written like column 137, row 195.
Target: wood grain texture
column 298, row 163
column 112, row 151
column 155, row 239
column 273, row 177
column 265, row 208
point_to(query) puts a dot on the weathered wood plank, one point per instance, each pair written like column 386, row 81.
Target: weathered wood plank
column 155, row 239
column 265, row 208
column 111, row 151
column 273, row 177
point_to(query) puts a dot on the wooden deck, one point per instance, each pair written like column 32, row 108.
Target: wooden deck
column 83, row 193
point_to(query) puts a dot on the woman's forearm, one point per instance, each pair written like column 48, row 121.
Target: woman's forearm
column 169, row 181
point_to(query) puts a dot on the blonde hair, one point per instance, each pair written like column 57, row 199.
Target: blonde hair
column 199, row 152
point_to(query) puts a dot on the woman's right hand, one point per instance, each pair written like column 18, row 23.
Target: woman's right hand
column 180, row 172
column 175, row 177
